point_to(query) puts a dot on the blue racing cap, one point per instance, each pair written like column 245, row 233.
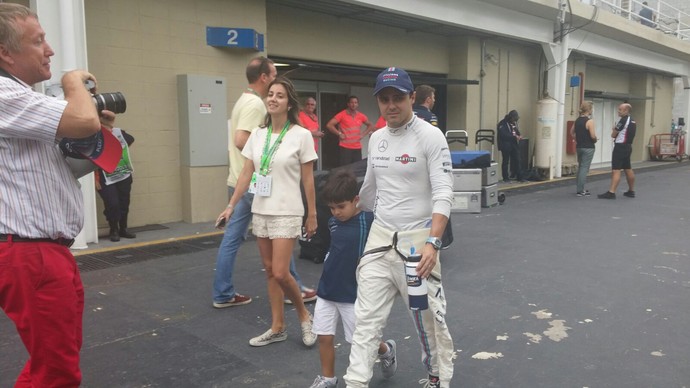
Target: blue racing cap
column 394, row 77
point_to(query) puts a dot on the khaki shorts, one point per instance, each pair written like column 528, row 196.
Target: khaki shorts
column 273, row 227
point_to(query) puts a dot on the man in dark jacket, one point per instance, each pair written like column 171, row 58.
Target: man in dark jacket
column 508, row 143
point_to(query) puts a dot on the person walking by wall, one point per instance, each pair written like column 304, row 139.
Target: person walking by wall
column 41, row 203
column 585, row 135
column 509, row 144
column 115, row 188
column 623, row 134
column 310, row 120
column 347, row 125
column 278, row 156
column 247, row 114
column 409, row 186
column 337, row 289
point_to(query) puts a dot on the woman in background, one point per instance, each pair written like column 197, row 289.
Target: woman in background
column 310, row 120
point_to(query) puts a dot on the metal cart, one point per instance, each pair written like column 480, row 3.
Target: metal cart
column 668, row 146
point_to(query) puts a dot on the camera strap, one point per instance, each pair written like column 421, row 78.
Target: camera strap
column 5, row 74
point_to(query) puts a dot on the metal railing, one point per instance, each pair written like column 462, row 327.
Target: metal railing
column 663, row 16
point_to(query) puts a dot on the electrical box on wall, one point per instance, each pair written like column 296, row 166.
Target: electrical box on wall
column 203, row 117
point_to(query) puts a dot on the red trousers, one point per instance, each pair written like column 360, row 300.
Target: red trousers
column 42, row 293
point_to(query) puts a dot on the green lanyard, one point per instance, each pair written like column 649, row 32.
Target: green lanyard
column 267, row 154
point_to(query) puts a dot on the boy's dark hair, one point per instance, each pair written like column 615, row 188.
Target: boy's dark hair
column 341, row 186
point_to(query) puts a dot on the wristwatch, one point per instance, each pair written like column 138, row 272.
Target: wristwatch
column 435, row 242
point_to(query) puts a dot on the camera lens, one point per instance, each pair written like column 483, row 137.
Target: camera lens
column 114, row 102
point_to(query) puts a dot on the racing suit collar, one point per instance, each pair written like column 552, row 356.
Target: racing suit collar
column 401, row 130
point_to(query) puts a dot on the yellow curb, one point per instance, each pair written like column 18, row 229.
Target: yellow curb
column 143, row 244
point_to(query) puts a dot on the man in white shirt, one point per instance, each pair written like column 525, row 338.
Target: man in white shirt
column 409, row 187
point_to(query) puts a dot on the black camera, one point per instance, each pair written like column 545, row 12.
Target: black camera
column 114, row 102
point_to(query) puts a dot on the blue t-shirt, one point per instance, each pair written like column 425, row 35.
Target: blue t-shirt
column 339, row 281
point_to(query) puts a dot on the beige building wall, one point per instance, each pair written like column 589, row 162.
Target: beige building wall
column 607, row 79
column 139, row 47
column 318, row 37
column 652, row 115
column 649, row 114
column 509, row 80
column 572, row 103
column 462, row 103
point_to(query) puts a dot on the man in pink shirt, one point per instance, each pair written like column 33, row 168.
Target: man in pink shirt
column 347, row 125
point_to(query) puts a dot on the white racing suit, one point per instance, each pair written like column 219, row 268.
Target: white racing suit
column 380, row 278
column 408, row 179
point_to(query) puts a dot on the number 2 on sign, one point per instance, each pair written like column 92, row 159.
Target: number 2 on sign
column 232, row 37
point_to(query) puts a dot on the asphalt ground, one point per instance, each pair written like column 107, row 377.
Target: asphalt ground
column 546, row 290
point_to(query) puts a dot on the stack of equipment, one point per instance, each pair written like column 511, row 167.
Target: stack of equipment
column 490, row 185
column 467, row 179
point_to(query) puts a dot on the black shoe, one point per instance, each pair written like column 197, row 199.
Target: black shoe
column 114, row 235
column 125, row 234
column 607, row 195
column 506, row 181
column 585, row 193
column 629, row 194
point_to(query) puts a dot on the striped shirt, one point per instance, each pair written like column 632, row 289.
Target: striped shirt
column 39, row 197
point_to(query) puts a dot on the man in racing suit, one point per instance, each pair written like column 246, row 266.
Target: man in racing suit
column 409, row 163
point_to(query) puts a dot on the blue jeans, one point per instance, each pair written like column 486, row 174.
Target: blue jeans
column 235, row 234
column 584, row 160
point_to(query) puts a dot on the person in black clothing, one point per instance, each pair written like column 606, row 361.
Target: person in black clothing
column 425, row 97
column 508, row 143
column 623, row 134
column 115, row 189
column 585, row 136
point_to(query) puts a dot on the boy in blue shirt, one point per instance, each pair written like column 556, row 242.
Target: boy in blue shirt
column 337, row 289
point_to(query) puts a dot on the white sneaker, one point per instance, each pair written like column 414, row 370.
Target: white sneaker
column 388, row 363
column 268, row 337
column 308, row 337
column 322, row 382
column 431, row 382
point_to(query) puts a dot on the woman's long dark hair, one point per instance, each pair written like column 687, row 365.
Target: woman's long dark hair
column 293, row 102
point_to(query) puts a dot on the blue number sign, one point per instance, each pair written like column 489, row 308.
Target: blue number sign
column 234, row 37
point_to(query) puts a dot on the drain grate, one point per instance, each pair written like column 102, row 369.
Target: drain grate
column 88, row 263
column 98, row 261
column 176, row 248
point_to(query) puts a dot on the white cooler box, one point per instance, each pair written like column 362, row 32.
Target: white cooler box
column 467, row 179
column 490, row 174
column 490, row 195
column 466, row 202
